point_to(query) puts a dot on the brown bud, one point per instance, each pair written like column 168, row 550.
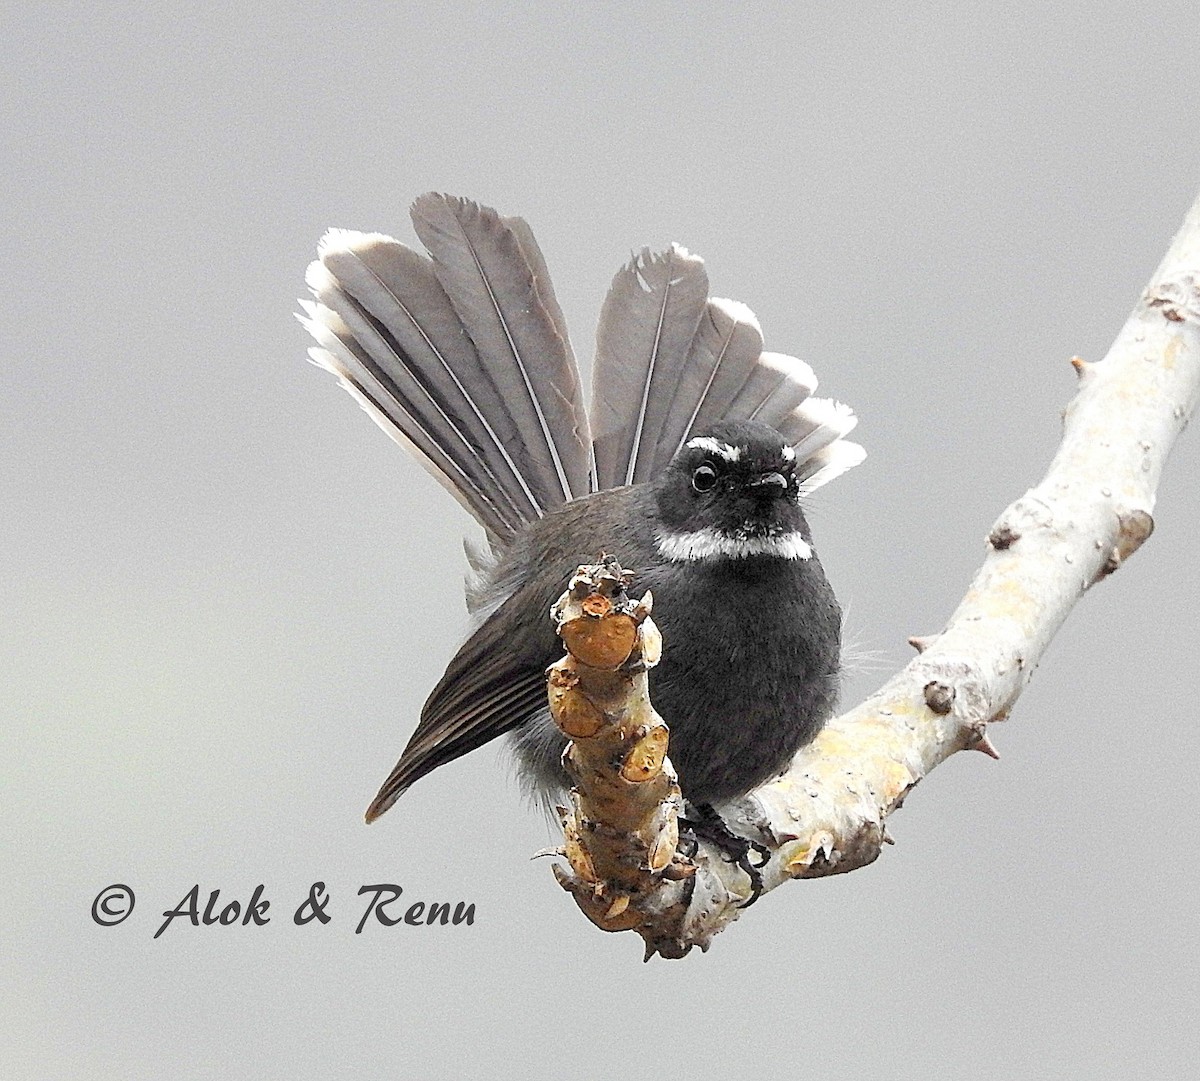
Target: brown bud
column 577, row 855
column 620, row 903
column 600, row 643
column 677, row 870
column 576, row 714
column 597, row 605
column 625, row 920
column 644, row 760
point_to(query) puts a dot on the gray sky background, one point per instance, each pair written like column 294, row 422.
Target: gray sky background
column 225, row 594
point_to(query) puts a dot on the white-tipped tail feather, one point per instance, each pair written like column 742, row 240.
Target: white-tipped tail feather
column 829, row 463
column 815, row 424
column 466, row 351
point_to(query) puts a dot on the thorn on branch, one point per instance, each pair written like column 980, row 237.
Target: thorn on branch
column 1082, row 368
column 985, row 744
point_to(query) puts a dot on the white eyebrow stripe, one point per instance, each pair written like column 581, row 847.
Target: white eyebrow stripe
column 715, row 446
column 708, row 543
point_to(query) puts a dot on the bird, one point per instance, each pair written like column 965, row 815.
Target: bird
column 691, row 466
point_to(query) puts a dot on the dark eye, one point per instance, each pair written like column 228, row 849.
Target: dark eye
column 704, row 479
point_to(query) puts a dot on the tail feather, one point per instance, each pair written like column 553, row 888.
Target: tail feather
column 414, row 329
column 646, row 328
column 339, row 352
column 777, row 385
column 829, row 463
column 720, row 358
column 815, row 424
column 484, row 265
column 541, row 275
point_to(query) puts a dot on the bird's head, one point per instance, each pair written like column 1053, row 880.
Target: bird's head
column 732, row 493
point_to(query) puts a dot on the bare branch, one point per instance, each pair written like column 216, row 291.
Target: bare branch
column 1089, row 514
column 622, row 828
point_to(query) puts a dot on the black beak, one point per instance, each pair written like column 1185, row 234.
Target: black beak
column 765, row 482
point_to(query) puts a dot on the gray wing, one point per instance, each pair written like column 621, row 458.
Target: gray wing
column 496, row 681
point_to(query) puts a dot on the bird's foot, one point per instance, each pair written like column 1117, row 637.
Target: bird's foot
column 710, row 826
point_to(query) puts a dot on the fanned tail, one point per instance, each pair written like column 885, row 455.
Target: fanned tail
column 438, row 353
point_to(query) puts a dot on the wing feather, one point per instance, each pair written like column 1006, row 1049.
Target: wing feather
column 482, row 695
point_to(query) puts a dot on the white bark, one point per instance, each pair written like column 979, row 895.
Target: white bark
column 1092, row 510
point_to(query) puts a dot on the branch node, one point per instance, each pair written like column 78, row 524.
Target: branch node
column 1177, row 298
column 1133, row 529
column 939, row 697
column 1136, row 526
column 1003, row 536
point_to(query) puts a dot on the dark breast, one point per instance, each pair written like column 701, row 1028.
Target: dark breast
column 751, row 646
column 749, row 671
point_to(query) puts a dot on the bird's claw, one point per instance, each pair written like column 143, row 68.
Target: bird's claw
column 710, row 826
